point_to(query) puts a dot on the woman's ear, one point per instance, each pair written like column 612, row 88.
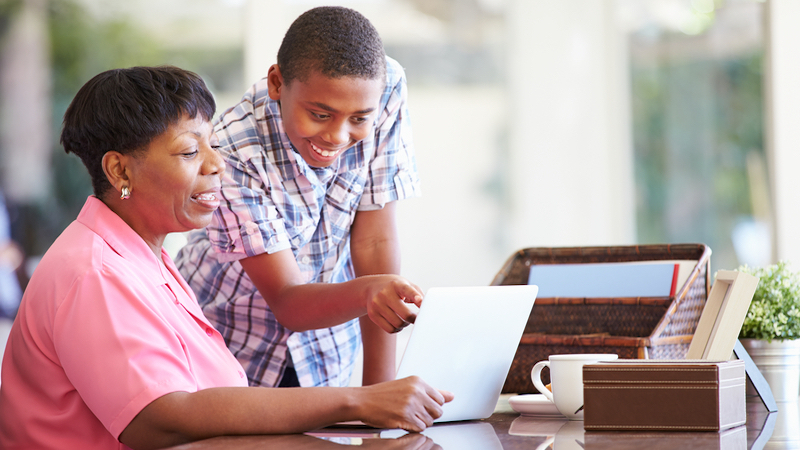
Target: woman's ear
column 115, row 167
column 274, row 82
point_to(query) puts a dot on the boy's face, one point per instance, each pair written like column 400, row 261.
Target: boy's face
column 325, row 116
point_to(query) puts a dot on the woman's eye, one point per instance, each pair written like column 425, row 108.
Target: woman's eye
column 190, row 154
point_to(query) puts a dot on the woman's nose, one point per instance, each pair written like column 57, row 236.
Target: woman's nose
column 214, row 164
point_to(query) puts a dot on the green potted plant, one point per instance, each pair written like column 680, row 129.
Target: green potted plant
column 771, row 329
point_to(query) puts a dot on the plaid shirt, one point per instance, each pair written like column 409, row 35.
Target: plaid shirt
column 273, row 200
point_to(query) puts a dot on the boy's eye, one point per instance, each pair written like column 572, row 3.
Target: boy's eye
column 320, row 116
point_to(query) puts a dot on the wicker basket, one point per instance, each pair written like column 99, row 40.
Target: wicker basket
column 633, row 328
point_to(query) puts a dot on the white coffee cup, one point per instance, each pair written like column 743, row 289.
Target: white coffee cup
column 566, row 380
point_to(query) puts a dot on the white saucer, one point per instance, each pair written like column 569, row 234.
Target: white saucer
column 534, row 405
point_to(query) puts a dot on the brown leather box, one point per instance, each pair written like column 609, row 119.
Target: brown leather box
column 663, row 395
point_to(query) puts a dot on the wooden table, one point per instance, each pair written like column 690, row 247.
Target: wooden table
column 507, row 430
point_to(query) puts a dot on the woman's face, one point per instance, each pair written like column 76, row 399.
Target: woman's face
column 175, row 182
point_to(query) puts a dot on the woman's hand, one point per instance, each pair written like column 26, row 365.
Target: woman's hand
column 408, row 403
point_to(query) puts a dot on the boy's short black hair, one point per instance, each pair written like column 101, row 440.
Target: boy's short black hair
column 335, row 41
column 125, row 109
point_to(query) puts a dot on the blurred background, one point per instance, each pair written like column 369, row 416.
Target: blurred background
column 537, row 123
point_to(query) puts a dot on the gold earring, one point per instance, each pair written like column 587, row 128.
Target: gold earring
column 126, row 193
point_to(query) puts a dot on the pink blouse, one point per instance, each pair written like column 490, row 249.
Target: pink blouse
column 103, row 329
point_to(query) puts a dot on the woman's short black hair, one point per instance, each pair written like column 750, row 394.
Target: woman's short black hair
column 125, row 109
column 335, row 41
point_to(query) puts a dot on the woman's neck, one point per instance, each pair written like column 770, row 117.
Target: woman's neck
column 154, row 240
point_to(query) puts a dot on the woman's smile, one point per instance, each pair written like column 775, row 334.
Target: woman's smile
column 208, row 199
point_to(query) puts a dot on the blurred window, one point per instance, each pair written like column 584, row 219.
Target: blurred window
column 696, row 80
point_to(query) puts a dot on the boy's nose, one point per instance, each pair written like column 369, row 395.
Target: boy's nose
column 338, row 135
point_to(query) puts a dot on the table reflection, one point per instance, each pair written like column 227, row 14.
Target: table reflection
column 570, row 435
column 306, row 442
column 507, row 430
column 467, row 436
column 558, row 433
column 464, row 435
column 786, row 429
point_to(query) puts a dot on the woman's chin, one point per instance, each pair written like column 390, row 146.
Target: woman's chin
column 194, row 222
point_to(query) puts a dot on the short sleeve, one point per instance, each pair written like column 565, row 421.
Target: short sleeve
column 392, row 171
column 139, row 358
column 247, row 223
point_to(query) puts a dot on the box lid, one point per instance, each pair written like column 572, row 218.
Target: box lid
column 637, row 371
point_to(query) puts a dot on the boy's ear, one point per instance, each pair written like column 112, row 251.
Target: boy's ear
column 115, row 167
column 274, row 82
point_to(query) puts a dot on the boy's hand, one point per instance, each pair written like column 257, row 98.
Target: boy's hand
column 408, row 403
column 389, row 307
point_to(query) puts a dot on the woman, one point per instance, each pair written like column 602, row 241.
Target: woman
column 109, row 345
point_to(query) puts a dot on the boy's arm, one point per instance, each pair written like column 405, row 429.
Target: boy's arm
column 299, row 306
column 302, row 306
column 375, row 249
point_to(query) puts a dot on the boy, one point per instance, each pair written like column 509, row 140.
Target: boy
column 305, row 240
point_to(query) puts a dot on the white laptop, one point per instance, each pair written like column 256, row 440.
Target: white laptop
column 464, row 340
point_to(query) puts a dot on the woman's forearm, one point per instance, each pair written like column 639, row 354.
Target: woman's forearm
column 180, row 417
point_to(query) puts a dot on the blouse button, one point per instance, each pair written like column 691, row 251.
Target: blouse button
column 250, row 227
column 241, row 375
column 209, row 332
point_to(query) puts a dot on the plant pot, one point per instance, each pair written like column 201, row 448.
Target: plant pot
column 779, row 362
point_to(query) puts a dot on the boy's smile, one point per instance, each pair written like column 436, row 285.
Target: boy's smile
column 325, row 116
